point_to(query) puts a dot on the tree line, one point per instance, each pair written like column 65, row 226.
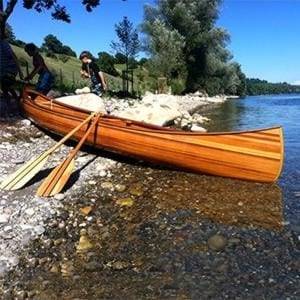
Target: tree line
column 262, row 87
column 182, row 41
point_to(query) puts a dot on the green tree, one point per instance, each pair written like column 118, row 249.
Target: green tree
column 166, row 49
column 106, row 63
column 120, row 58
column 205, row 57
column 128, row 42
column 9, row 33
column 53, row 45
column 143, row 61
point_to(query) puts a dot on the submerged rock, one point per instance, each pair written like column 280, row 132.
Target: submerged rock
column 84, row 244
column 217, row 242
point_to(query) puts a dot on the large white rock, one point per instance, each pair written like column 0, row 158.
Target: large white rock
column 85, row 90
column 90, row 102
column 154, row 109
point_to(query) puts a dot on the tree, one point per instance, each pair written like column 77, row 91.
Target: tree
column 106, row 63
column 143, row 61
column 166, row 48
column 58, row 12
column 9, row 33
column 128, row 43
column 120, row 58
column 53, row 45
column 204, row 53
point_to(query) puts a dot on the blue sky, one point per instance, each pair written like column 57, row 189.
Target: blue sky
column 265, row 34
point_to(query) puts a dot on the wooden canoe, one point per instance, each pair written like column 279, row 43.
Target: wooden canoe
column 255, row 155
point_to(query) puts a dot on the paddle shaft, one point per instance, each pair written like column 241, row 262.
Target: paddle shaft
column 63, row 171
column 70, row 134
column 26, row 172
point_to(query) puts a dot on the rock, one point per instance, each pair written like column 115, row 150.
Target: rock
column 4, row 218
column 102, row 173
column 67, row 268
column 20, row 295
column 39, row 229
column 136, row 190
column 25, row 123
column 59, row 196
column 86, row 210
column 120, row 188
column 107, row 185
column 93, row 266
column 85, row 90
column 55, row 269
column 128, row 202
column 92, row 182
column 217, row 242
column 84, row 244
column 29, row 211
column 87, row 101
column 18, row 161
column 118, row 265
column 198, row 128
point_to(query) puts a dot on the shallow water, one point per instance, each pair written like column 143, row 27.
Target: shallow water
column 262, row 112
column 148, row 232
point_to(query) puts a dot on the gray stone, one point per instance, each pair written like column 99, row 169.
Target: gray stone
column 217, row 242
column 59, row 197
column 4, row 218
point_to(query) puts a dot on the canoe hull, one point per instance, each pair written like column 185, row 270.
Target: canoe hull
column 251, row 155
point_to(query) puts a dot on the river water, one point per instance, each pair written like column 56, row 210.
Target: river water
column 151, row 232
column 262, row 112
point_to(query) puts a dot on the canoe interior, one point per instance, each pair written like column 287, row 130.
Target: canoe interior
column 255, row 155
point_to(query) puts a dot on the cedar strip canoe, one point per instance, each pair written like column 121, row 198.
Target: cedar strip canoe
column 255, row 155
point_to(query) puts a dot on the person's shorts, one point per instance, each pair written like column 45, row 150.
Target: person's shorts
column 97, row 89
column 45, row 83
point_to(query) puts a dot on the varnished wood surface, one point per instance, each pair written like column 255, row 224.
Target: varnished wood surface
column 255, row 155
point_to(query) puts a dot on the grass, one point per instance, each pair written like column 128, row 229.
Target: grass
column 67, row 73
column 68, row 77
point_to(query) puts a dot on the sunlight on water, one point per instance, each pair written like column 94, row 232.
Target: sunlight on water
column 262, row 112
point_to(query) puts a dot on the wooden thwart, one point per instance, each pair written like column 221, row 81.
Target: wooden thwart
column 23, row 175
column 57, row 179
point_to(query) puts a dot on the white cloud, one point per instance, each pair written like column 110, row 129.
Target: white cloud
column 297, row 82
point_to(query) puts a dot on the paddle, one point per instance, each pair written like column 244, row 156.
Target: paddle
column 57, row 179
column 19, row 178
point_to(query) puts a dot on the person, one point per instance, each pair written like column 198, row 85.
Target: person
column 46, row 79
column 9, row 68
column 90, row 69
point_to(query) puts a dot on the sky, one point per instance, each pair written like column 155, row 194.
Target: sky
column 265, row 34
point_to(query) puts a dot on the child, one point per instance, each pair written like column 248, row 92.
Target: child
column 9, row 68
column 90, row 69
column 46, row 79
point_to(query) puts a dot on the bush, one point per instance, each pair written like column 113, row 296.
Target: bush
column 177, row 86
column 64, row 58
column 51, row 55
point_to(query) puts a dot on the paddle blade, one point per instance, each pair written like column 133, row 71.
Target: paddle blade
column 57, row 179
column 23, row 175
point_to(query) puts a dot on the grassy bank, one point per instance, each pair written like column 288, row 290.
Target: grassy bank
column 66, row 70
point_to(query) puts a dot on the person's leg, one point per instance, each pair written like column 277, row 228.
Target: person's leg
column 6, row 83
column 10, row 94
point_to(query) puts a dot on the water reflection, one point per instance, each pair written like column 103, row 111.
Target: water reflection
column 262, row 112
column 226, row 201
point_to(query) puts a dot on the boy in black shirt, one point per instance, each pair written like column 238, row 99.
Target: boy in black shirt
column 90, row 69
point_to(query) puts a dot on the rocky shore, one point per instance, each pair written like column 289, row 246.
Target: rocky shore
column 126, row 229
